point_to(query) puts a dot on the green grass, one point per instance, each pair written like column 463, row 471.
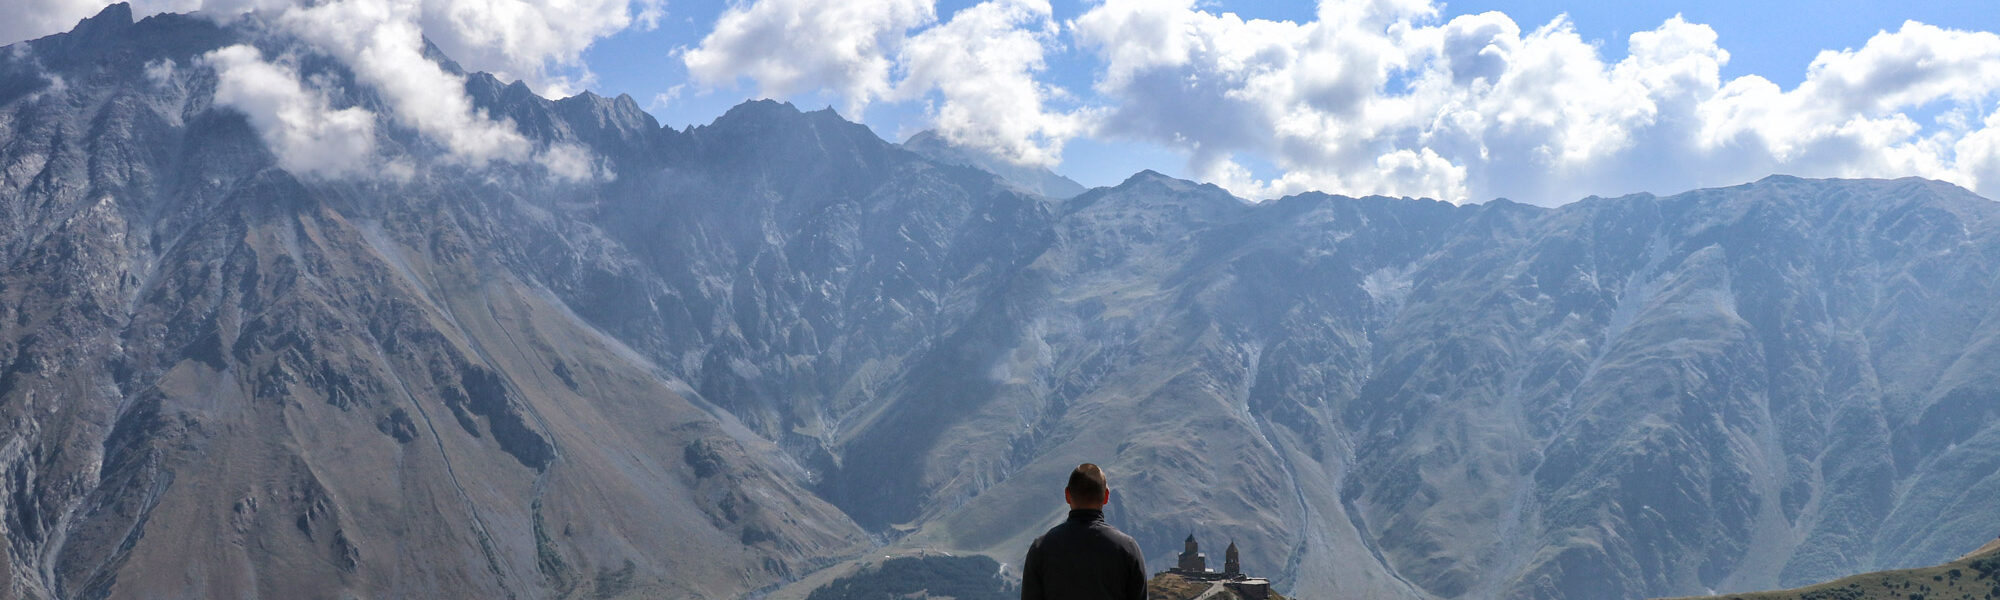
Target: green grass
column 1975, row 577
column 1172, row 587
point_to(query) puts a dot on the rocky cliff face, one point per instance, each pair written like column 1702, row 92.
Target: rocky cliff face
column 776, row 342
column 222, row 380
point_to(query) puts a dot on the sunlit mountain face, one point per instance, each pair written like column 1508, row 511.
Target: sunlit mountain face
column 567, row 352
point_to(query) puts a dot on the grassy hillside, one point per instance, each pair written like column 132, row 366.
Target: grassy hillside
column 1173, row 587
column 1974, row 577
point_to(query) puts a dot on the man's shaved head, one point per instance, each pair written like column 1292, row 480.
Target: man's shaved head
column 1087, row 485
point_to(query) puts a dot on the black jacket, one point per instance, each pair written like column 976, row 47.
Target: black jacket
column 1084, row 558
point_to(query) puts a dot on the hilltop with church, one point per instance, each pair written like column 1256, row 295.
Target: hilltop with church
column 1191, row 578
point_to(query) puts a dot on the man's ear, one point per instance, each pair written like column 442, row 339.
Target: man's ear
column 1066, row 498
column 1106, row 500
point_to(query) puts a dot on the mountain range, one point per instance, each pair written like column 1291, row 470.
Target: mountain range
column 776, row 344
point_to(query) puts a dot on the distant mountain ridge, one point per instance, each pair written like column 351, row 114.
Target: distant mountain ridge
column 777, row 342
column 1032, row 179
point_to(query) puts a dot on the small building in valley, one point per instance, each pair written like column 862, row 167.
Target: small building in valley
column 1192, row 562
column 1193, row 566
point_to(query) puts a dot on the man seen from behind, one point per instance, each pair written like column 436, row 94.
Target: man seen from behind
column 1084, row 558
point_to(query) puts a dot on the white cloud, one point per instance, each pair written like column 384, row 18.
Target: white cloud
column 977, row 73
column 534, row 40
column 306, row 134
column 1849, row 117
column 1381, row 97
column 1302, row 95
column 983, row 62
column 1369, row 96
column 666, row 98
column 1978, row 156
column 382, row 42
column 572, row 162
column 794, row 46
column 160, row 71
column 540, row 41
column 54, row 84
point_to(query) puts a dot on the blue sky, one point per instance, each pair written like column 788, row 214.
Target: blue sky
column 1537, row 101
column 1774, row 40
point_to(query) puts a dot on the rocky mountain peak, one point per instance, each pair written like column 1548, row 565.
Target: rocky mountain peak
column 759, row 114
column 108, row 22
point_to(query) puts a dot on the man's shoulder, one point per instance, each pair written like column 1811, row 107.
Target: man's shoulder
column 1044, row 537
column 1064, row 535
column 1120, row 537
column 1068, row 531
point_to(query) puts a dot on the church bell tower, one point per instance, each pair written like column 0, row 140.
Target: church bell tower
column 1192, row 560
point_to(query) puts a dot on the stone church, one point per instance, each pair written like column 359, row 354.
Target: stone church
column 1193, row 566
